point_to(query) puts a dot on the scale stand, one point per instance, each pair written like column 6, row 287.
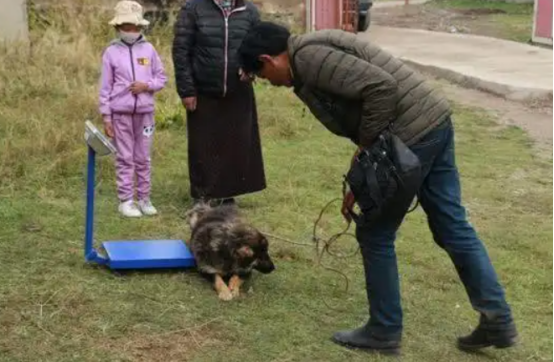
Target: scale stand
column 125, row 254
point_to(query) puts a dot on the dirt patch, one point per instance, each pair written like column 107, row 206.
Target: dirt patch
column 535, row 119
column 478, row 21
column 41, row 325
column 178, row 346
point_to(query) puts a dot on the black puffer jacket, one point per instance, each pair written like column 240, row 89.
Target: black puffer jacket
column 206, row 44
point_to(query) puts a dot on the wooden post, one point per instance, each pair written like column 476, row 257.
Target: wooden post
column 14, row 25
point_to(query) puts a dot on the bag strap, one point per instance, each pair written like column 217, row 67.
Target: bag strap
column 373, row 184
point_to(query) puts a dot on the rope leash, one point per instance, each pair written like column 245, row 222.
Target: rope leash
column 323, row 246
column 327, row 244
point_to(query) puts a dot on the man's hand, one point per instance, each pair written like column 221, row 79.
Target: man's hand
column 245, row 77
column 356, row 154
column 108, row 129
column 190, row 103
column 347, row 205
column 139, row 87
column 348, row 201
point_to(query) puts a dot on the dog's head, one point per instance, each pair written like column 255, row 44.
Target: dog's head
column 197, row 212
column 253, row 249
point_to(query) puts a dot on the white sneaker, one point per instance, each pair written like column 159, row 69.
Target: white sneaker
column 129, row 209
column 147, row 208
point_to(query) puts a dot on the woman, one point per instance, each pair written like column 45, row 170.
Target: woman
column 225, row 157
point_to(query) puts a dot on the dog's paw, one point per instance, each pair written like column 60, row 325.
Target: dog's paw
column 225, row 295
column 235, row 292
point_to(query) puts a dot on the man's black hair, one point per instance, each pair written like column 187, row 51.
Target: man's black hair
column 264, row 38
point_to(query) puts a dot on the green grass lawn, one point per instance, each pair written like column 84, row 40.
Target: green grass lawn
column 508, row 7
column 509, row 21
column 54, row 308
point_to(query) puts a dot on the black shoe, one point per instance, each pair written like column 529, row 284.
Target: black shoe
column 489, row 336
column 362, row 338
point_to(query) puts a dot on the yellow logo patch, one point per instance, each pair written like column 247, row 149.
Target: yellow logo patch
column 143, row 61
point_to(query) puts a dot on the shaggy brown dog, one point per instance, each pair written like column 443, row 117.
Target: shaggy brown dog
column 226, row 248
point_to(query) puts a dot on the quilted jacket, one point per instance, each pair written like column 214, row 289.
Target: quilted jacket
column 356, row 89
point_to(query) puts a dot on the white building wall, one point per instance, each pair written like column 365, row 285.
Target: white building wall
column 13, row 20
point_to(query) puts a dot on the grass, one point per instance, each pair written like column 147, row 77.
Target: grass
column 509, row 21
column 55, row 308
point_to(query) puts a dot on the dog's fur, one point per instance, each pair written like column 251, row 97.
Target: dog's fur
column 225, row 247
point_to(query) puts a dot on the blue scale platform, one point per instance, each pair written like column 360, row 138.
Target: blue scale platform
column 148, row 254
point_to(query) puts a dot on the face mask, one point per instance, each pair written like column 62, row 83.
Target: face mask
column 129, row 38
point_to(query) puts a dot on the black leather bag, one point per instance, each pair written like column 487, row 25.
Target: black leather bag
column 383, row 177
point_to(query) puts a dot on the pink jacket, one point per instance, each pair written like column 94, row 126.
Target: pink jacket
column 124, row 64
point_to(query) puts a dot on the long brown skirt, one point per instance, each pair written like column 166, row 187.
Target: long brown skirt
column 225, row 154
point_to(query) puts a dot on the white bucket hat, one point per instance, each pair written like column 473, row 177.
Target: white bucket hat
column 128, row 12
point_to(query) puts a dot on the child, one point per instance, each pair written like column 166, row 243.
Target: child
column 131, row 73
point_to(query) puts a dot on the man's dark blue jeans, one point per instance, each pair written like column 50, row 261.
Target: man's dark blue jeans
column 440, row 198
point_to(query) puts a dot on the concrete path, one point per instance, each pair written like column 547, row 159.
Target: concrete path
column 508, row 69
column 389, row 4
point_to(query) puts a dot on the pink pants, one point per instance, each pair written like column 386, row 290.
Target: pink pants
column 133, row 140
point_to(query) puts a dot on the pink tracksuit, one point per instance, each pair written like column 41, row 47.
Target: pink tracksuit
column 132, row 115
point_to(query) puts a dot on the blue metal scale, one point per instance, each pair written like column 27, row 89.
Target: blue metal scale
column 125, row 254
